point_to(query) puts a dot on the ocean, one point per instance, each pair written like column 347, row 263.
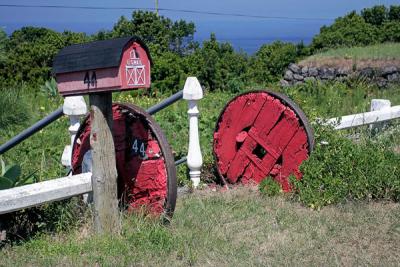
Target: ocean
column 247, row 36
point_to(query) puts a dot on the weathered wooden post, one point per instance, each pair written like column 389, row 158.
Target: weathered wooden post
column 192, row 92
column 104, row 172
column 98, row 69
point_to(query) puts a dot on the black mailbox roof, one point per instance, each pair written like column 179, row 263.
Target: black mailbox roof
column 93, row 55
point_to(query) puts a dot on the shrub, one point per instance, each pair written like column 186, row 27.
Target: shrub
column 391, row 31
column 350, row 30
column 50, row 88
column 375, row 15
column 167, row 74
column 339, row 169
column 375, row 25
column 271, row 60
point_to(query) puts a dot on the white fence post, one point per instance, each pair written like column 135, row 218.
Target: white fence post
column 192, row 92
column 75, row 108
column 378, row 104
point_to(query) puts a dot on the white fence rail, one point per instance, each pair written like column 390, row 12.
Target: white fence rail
column 39, row 193
column 381, row 111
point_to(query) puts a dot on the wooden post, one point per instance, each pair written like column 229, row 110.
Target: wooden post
column 104, row 174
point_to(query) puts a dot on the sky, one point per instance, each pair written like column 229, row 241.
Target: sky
column 243, row 32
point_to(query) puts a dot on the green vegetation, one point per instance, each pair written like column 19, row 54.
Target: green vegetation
column 41, row 153
column 374, row 25
column 238, row 227
column 235, row 228
column 10, row 176
column 270, row 61
column 269, row 187
column 340, row 170
column 26, row 56
column 374, row 52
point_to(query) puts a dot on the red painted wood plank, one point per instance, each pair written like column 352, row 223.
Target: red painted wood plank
column 238, row 115
column 279, row 137
column 295, row 153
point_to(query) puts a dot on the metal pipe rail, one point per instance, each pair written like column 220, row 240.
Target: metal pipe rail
column 180, row 161
column 31, row 130
column 165, row 103
column 59, row 113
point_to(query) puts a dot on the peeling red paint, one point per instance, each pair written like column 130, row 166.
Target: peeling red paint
column 142, row 181
column 259, row 136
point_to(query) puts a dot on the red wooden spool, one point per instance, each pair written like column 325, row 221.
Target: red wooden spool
column 260, row 134
column 145, row 164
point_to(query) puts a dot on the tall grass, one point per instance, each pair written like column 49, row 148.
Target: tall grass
column 13, row 109
column 374, row 52
column 41, row 153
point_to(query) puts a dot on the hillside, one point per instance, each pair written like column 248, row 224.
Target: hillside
column 376, row 56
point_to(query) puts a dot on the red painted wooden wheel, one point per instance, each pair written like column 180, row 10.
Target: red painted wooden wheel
column 145, row 165
column 260, row 134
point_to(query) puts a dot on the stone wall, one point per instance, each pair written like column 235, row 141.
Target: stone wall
column 296, row 74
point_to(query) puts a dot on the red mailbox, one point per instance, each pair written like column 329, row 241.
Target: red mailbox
column 110, row 65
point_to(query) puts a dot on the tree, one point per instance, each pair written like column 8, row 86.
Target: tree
column 394, row 13
column 271, row 60
column 391, row 31
column 30, row 54
column 70, row 38
column 350, row 30
column 375, row 15
column 217, row 65
column 3, row 45
column 31, row 50
column 164, row 34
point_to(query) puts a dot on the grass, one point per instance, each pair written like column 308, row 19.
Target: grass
column 235, row 228
column 41, row 153
column 375, row 56
column 238, row 227
column 378, row 51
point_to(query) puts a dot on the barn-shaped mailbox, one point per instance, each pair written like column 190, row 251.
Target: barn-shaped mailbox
column 110, row 65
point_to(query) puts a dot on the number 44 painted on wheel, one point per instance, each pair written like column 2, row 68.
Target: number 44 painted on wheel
column 139, row 148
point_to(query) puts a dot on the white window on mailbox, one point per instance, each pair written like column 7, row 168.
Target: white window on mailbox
column 135, row 70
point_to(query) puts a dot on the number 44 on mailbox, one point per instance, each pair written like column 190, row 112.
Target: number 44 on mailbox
column 111, row 65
